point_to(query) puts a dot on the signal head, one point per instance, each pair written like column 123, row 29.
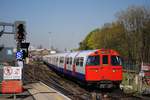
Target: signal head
column 20, row 30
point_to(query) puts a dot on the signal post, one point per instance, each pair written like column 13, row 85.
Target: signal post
column 12, row 75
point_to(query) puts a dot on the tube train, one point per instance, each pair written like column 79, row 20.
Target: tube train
column 99, row 67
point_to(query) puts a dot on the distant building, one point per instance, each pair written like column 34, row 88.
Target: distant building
column 31, row 48
column 52, row 52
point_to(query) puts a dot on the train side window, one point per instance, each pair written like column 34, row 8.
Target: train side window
column 61, row 60
column 74, row 61
column 49, row 60
column 67, row 62
column 105, row 59
column 81, row 62
column 56, row 59
column 77, row 62
column 53, row 60
column 70, row 61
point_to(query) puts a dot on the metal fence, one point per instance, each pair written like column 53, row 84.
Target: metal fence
column 132, row 67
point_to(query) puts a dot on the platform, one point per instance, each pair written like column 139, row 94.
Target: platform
column 40, row 91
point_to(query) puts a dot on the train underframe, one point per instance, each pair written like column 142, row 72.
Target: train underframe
column 104, row 84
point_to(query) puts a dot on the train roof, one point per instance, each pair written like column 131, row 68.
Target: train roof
column 83, row 53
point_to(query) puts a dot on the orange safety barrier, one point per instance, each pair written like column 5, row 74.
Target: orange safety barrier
column 11, row 86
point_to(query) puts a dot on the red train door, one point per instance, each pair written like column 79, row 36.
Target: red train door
column 105, row 69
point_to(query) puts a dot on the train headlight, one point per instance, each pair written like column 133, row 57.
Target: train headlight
column 114, row 71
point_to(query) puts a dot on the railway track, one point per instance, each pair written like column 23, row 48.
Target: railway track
column 51, row 79
column 40, row 72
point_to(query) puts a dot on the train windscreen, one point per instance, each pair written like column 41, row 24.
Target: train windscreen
column 93, row 60
column 116, row 60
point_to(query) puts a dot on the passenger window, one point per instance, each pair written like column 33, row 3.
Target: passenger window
column 61, row 60
column 77, row 62
column 74, row 62
column 56, row 59
column 105, row 59
column 81, row 62
column 67, row 62
column 70, row 61
column 49, row 59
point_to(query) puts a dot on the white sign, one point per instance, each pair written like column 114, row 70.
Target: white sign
column 10, row 73
column 141, row 73
column 145, row 67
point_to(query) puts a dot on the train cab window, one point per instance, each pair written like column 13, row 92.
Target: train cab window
column 105, row 59
column 116, row 60
column 93, row 60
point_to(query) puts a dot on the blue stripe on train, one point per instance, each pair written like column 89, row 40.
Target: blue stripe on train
column 67, row 72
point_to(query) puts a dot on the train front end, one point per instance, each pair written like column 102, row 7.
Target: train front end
column 104, row 68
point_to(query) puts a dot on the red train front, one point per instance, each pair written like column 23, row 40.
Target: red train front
column 104, row 67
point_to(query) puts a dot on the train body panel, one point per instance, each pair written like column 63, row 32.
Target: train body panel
column 89, row 65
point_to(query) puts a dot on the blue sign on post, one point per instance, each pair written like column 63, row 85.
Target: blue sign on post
column 19, row 55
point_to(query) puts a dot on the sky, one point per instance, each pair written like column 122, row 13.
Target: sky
column 61, row 23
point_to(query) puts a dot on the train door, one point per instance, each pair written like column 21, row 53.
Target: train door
column 74, row 67
column 65, row 62
column 79, row 67
column 105, row 68
column 61, row 64
column 69, row 64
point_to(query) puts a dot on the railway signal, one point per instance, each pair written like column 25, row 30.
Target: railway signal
column 20, row 31
column 25, row 47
